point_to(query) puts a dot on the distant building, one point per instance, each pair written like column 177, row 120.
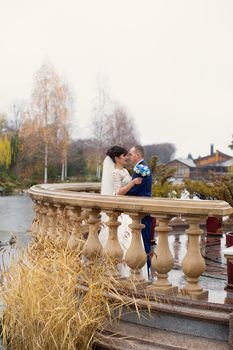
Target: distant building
column 183, row 167
column 229, row 165
column 198, row 168
column 216, row 161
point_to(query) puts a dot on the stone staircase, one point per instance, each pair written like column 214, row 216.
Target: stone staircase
column 172, row 324
column 158, row 339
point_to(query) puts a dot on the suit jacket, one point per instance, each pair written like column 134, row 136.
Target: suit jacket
column 144, row 189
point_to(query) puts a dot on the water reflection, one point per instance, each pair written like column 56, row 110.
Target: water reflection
column 16, row 215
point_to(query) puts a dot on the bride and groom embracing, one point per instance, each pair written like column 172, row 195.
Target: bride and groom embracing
column 116, row 180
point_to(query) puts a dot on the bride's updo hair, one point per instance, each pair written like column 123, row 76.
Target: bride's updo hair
column 116, row 151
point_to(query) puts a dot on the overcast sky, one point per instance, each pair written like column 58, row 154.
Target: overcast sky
column 169, row 62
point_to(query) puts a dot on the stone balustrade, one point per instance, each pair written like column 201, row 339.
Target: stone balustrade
column 70, row 215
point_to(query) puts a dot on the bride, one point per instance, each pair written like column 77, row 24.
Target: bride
column 116, row 180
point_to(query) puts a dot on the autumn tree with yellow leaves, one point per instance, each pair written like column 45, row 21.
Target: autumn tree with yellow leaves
column 45, row 131
column 5, row 142
column 5, row 151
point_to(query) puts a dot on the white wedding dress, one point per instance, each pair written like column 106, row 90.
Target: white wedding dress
column 112, row 180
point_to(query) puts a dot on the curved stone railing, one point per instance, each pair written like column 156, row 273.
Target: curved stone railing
column 66, row 212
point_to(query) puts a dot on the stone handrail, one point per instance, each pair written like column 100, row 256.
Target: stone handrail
column 81, row 204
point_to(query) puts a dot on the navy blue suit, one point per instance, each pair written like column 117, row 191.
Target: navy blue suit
column 144, row 189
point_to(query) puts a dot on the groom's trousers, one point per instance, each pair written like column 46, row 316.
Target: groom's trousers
column 147, row 221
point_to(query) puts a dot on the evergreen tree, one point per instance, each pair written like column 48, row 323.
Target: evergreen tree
column 231, row 144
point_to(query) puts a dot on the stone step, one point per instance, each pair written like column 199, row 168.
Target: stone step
column 117, row 337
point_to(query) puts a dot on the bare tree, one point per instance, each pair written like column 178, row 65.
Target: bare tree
column 111, row 124
column 16, row 116
column 102, row 107
column 164, row 151
column 121, row 129
column 15, row 123
column 3, row 122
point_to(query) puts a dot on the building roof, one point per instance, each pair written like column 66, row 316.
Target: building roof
column 186, row 161
column 214, row 155
column 228, row 162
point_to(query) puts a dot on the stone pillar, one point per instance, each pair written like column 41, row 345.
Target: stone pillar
column 74, row 219
column 93, row 248
column 60, row 225
column 44, row 219
column 51, row 218
column 193, row 264
column 113, row 249
column 34, row 228
column 84, row 227
column 162, row 261
column 135, row 256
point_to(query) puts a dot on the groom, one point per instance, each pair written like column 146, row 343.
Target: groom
column 141, row 169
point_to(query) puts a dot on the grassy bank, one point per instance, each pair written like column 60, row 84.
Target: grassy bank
column 10, row 184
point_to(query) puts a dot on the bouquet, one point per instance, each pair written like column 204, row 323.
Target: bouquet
column 142, row 170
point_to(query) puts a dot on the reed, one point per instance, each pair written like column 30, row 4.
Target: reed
column 53, row 300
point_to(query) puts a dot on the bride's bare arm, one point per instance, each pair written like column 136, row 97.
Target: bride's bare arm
column 126, row 188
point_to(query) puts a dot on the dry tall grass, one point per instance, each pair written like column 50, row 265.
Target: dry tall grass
column 44, row 309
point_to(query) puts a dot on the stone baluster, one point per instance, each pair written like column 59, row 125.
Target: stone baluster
column 78, row 230
column 113, row 249
column 39, row 213
column 84, row 227
column 44, row 218
column 60, row 221
column 59, row 214
column 93, row 248
column 75, row 233
column 34, row 228
column 48, row 219
column 135, row 256
column 70, row 221
column 51, row 219
column 64, row 227
column 162, row 261
column 193, row 264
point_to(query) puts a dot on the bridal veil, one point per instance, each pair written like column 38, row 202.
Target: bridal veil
column 107, row 185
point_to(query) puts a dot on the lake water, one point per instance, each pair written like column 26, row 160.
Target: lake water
column 16, row 215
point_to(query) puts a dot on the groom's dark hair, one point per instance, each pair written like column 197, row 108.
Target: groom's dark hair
column 116, row 151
